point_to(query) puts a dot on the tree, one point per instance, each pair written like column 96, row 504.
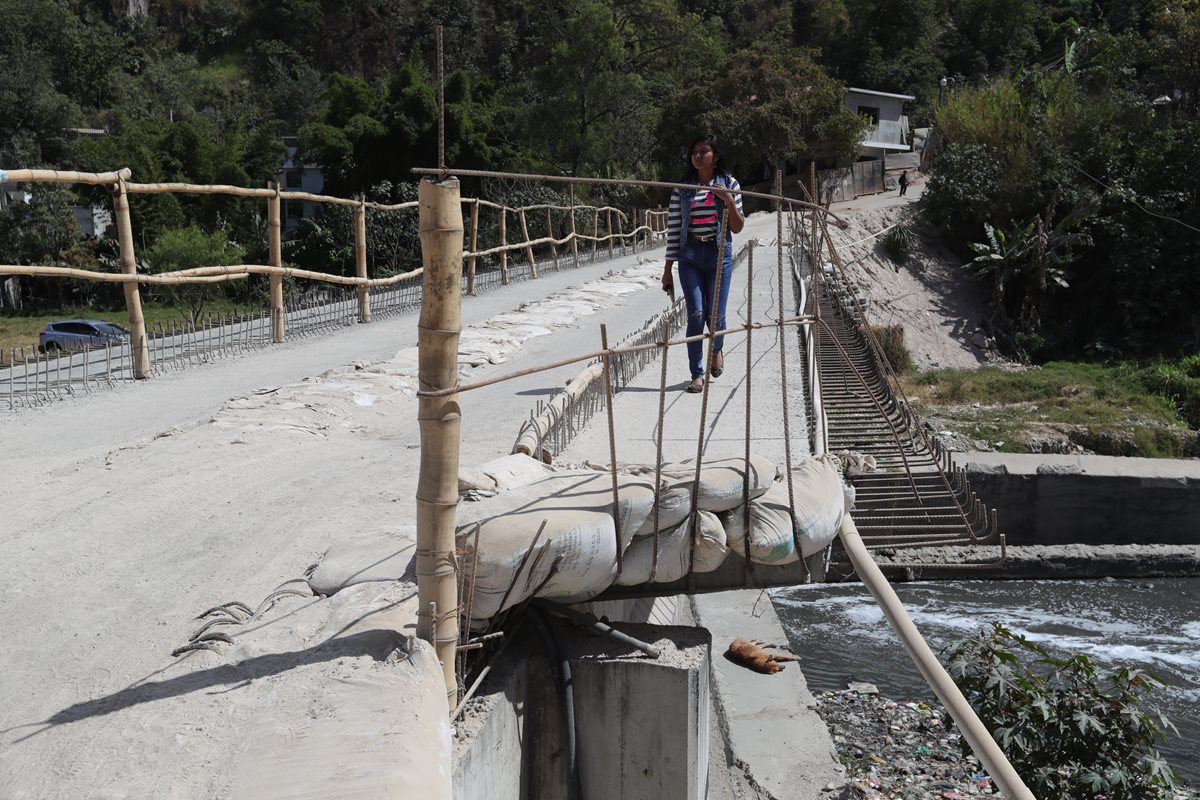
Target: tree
column 610, row 67
column 768, row 105
column 187, row 248
column 1176, row 41
column 1025, row 265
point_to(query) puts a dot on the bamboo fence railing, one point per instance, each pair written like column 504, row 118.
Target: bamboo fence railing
column 618, row 230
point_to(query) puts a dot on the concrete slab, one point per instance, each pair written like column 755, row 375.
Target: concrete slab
column 770, row 722
column 1117, row 466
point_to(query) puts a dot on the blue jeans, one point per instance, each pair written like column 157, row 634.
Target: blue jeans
column 698, row 275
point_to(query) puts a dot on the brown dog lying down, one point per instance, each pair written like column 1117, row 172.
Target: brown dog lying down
column 750, row 653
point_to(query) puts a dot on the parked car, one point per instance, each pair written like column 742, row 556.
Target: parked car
column 76, row 334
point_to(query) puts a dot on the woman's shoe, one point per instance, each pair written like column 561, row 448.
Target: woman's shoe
column 718, row 366
column 695, row 387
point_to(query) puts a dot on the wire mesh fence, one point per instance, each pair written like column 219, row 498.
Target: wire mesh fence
column 30, row 378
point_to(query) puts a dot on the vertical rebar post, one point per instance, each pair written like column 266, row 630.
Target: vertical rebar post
column 612, row 443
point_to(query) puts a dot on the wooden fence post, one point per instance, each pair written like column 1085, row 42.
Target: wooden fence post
column 474, row 242
column 439, row 418
column 133, row 293
column 360, row 259
column 503, row 246
column 275, row 256
column 528, row 246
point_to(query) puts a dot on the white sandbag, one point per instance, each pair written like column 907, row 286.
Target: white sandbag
column 474, row 482
column 674, row 506
column 675, row 552
column 820, row 506
column 580, row 534
column 500, row 475
column 720, row 478
column 515, row 470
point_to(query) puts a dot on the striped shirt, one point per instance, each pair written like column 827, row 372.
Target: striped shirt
column 703, row 216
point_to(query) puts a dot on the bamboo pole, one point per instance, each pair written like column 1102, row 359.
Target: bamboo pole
column 504, row 244
column 574, row 240
column 528, row 246
column 205, row 275
column 474, row 241
column 275, row 256
column 610, row 235
column 595, row 232
column 572, row 179
column 439, row 419
column 64, row 176
column 935, row 675
column 360, row 260
column 553, row 244
column 133, row 293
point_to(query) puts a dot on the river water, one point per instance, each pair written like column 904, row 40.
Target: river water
column 1152, row 624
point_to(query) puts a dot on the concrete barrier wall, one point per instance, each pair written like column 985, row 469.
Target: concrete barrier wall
column 1094, row 500
column 642, row 723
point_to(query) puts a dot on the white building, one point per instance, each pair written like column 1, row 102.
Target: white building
column 298, row 177
column 889, row 132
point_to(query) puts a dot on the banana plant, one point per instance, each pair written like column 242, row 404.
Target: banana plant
column 1029, row 260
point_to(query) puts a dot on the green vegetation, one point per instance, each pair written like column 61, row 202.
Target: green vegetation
column 1068, row 129
column 900, row 242
column 1075, row 188
column 1121, row 409
column 1070, row 729
column 891, row 342
column 188, row 248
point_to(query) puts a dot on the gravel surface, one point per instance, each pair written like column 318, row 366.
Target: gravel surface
column 902, row 750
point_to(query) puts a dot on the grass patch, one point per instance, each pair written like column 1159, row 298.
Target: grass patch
column 1105, row 408
column 891, row 341
column 22, row 331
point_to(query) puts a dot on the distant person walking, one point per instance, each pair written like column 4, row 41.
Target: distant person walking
column 903, row 182
column 694, row 234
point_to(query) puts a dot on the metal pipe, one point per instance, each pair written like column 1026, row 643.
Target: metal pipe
column 566, row 695
column 589, row 621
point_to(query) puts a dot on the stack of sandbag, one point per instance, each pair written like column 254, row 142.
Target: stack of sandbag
column 575, row 557
column 819, row 509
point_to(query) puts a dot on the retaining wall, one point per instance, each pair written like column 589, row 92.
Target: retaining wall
column 1093, row 500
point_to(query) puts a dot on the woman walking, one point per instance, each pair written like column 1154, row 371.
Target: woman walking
column 694, row 235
